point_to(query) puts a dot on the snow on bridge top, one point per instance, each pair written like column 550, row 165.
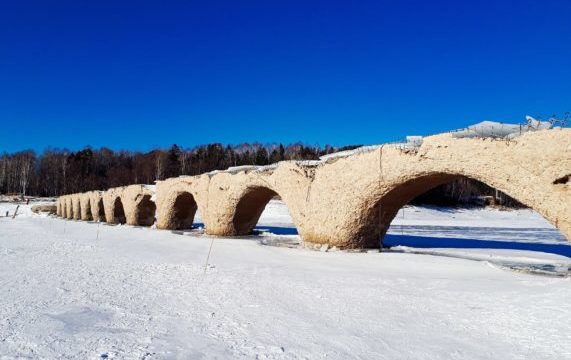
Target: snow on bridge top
column 483, row 129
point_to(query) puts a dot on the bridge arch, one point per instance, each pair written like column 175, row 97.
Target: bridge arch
column 76, row 203
column 118, row 211
column 249, row 208
column 388, row 202
column 77, row 212
column 180, row 211
column 69, row 207
column 343, row 208
column 115, row 211
column 86, row 213
column 101, row 210
column 61, row 207
column 144, row 211
column 97, row 207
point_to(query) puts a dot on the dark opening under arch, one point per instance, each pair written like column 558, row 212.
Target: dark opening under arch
column 146, row 211
column 464, row 191
column 183, row 212
column 88, row 211
column 118, row 212
column 101, row 210
column 249, row 209
column 380, row 216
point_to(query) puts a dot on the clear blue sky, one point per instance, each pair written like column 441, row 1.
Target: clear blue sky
column 141, row 74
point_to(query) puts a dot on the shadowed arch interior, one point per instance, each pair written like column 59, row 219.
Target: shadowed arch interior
column 101, row 209
column 118, row 211
column 183, row 212
column 88, row 211
column 78, row 215
column 380, row 216
column 146, row 211
column 249, row 208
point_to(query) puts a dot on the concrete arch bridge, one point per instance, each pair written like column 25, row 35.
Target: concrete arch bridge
column 348, row 202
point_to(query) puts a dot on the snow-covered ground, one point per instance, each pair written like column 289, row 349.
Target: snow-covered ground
column 82, row 290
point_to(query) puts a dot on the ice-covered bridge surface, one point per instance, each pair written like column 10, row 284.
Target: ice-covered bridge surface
column 347, row 201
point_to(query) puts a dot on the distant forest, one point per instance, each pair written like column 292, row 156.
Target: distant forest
column 57, row 172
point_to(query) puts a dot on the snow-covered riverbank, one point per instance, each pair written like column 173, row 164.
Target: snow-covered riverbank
column 84, row 290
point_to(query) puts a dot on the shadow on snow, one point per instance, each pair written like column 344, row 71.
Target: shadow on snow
column 425, row 242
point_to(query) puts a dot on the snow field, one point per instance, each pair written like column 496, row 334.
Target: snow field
column 74, row 289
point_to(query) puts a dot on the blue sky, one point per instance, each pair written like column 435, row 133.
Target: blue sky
column 141, row 74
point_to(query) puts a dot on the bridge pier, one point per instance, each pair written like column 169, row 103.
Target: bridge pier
column 85, row 207
column 76, row 206
column 176, row 203
column 68, row 207
column 96, row 206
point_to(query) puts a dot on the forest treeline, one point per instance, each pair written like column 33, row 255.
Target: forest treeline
column 57, row 172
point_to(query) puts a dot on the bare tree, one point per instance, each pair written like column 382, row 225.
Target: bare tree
column 160, row 164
